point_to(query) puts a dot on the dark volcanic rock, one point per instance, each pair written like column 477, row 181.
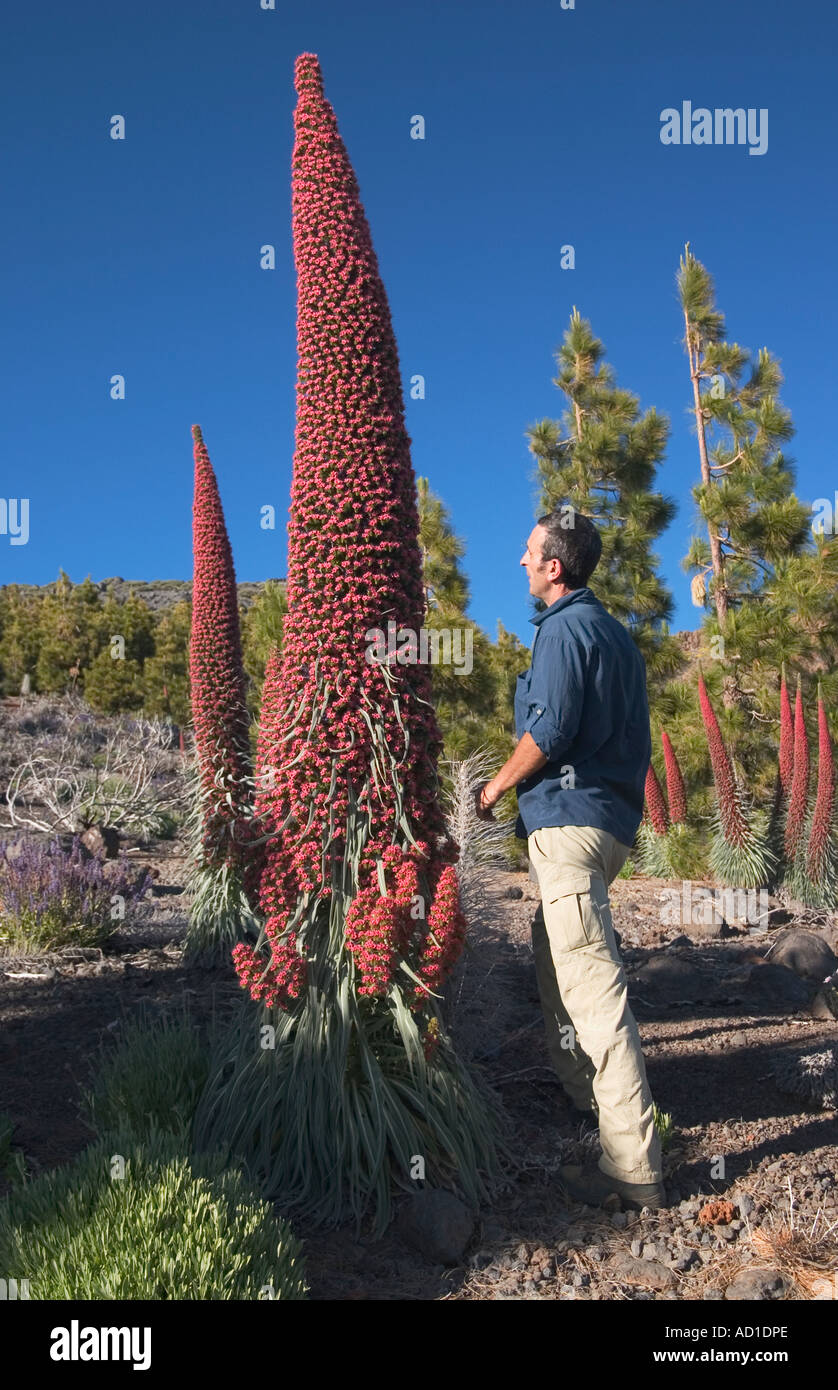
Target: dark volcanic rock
column 807, row 954
column 438, row 1224
column 758, row 1284
column 776, row 989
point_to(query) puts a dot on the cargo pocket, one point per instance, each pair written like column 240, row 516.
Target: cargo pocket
column 573, row 911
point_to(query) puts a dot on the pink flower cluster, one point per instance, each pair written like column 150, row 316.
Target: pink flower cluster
column 379, row 928
column 446, row 934
column 333, row 720
column 799, row 794
column 786, row 738
column 656, row 803
column 734, row 826
column 279, row 982
column 217, row 680
column 818, row 848
column 675, row 790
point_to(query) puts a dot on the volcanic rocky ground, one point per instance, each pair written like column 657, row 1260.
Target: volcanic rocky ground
column 750, row 1169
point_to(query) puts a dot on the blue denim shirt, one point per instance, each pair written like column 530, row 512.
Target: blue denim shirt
column 584, row 702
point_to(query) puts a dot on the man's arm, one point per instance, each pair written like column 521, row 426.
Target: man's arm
column 556, row 697
column 527, row 759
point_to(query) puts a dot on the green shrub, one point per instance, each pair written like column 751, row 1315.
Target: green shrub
column 151, row 1080
column 167, row 825
column 143, row 1222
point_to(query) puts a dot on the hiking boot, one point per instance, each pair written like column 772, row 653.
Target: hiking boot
column 593, row 1188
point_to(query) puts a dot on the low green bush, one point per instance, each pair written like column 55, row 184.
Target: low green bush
column 141, row 1221
column 151, row 1080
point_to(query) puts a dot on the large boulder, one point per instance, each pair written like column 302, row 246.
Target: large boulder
column 667, row 978
column 807, row 954
column 437, row 1224
column 775, row 989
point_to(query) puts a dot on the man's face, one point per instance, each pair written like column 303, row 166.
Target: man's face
column 541, row 573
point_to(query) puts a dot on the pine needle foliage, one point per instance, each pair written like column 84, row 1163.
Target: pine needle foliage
column 602, row 458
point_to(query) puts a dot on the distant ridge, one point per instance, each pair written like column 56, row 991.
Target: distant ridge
column 156, row 593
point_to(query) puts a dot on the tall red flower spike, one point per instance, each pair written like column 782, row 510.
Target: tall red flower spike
column 656, row 803
column 786, row 738
column 799, row 798
column 734, row 827
column 219, row 707
column 675, row 790
column 818, row 849
column 336, row 720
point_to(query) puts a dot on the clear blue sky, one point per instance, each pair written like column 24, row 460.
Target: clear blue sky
column 543, row 128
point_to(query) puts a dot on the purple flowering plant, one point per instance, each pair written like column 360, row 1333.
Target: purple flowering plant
column 52, row 897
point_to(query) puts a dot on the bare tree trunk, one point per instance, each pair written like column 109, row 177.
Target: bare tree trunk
column 716, row 556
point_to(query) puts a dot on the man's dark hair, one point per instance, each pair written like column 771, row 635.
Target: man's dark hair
column 573, row 539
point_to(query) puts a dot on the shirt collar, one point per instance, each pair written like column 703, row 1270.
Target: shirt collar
column 560, row 603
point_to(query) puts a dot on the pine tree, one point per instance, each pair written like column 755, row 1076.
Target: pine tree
column 754, row 522
column 20, row 637
column 602, row 459
column 464, row 699
column 124, row 635
column 262, row 628
column 68, row 634
column 166, row 673
column 445, row 583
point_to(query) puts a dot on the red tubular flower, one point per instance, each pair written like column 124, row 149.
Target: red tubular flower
column 329, row 715
column 278, row 983
column 817, row 850
column 734, row 827
column 675, row 790
column 799, row 797
column 219, row 708
column 446, row 932
column 658, row 814
column 786, row 738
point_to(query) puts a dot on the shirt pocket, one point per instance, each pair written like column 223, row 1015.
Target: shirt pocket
column 573, row 912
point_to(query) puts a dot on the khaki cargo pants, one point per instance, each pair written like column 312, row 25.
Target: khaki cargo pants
column 582, row 986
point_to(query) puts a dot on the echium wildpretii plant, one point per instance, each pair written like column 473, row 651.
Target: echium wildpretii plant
column 355, row 1076
column 821, row 850
column 653, row 829
column 675, row 789
column 222, row 795
column 667, row 846
column 52, row 897
column 739, row 856
column 783, row 780
column 810, row 863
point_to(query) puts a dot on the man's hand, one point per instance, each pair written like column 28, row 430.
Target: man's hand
column 527, row 759
column 484, row 801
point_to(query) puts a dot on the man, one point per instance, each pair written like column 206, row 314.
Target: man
column 582, row 720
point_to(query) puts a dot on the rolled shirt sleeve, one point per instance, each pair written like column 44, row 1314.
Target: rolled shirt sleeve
column 556, row 695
